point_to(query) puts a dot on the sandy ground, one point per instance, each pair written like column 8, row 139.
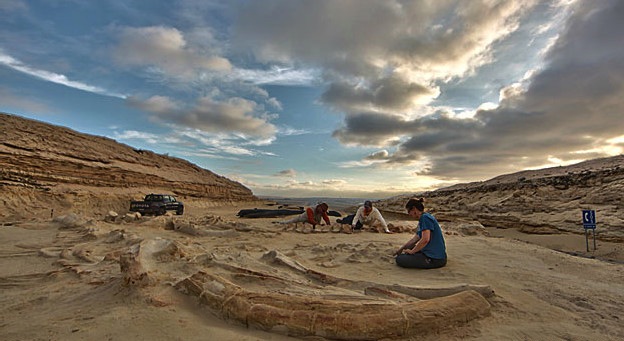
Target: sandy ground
column 60, row 281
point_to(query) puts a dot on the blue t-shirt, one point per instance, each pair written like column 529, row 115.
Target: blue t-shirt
column 436, row 248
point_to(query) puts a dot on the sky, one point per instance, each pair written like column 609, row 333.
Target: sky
column 332, row 98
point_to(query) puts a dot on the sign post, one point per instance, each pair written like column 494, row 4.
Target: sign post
column 589, row 223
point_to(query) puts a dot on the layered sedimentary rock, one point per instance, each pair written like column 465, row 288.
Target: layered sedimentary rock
column 44, row 166
column 549, row 200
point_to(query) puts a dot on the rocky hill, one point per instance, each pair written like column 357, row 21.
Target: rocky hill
column 45, row 167
column 544, row 201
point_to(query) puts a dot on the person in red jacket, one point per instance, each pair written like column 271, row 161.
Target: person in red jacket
column 310, row 215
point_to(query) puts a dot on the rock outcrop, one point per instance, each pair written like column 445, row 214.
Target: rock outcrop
column 548, row 200
column 45, row 167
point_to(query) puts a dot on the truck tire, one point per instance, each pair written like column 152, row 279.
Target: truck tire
column 180, row 211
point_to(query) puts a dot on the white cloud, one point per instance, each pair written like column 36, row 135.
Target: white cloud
column 275, row 76
column 53, row 77
column 192, row 142
column 234, row 116
column 273, row 102
column 156, row 104
column 289, row 131
column 136, row 135
column 166, row 49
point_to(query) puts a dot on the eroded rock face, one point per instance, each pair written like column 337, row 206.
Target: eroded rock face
column 542, row 201
column 49, row 167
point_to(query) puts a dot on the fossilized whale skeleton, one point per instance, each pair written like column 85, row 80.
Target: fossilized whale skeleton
column 303, row 302
column 342, row 317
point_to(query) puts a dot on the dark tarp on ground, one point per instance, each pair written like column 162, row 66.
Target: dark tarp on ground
column 265, row 213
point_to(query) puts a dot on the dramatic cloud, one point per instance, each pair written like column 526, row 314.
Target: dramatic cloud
column 377, row 129
column 567, row 109
column 413, row 92
column 403, row 33
column 384, row 78
column 363, row 61
column 387, row 94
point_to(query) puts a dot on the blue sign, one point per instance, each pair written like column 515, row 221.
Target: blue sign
column 589, row 219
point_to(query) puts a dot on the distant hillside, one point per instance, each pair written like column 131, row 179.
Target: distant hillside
column 43, row 166
column 547, row 200
column 337, row 204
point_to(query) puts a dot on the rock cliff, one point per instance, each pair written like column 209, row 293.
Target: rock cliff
column 544, row 201
column 45, row 167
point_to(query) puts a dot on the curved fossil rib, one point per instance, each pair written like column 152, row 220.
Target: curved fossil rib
column 418, row 292
column 345, row 319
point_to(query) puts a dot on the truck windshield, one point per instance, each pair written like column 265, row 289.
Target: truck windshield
column 154, row 198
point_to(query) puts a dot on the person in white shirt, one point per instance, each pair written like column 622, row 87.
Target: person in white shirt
column 368, row 215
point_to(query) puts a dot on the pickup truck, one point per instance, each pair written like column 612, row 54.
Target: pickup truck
column 157, row 204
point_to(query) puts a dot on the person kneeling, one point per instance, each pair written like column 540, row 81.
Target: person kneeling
column 365, row 215
column 310, row 215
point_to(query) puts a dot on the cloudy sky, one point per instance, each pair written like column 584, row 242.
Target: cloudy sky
column 338, row 98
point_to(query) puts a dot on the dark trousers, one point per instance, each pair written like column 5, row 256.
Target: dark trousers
column 349, row 220
column 419, row 261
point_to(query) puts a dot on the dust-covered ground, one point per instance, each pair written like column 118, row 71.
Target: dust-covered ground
column 83, row 278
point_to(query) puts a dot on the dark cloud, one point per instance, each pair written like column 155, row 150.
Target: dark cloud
column 288, row 173
column 364, row 45
column 575, row 102
column 380, row 155
column 372, row 129
column 567, row 111
column 392, row 94
column 382, row 76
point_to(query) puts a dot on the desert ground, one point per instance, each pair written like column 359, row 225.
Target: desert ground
column 75, row 277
